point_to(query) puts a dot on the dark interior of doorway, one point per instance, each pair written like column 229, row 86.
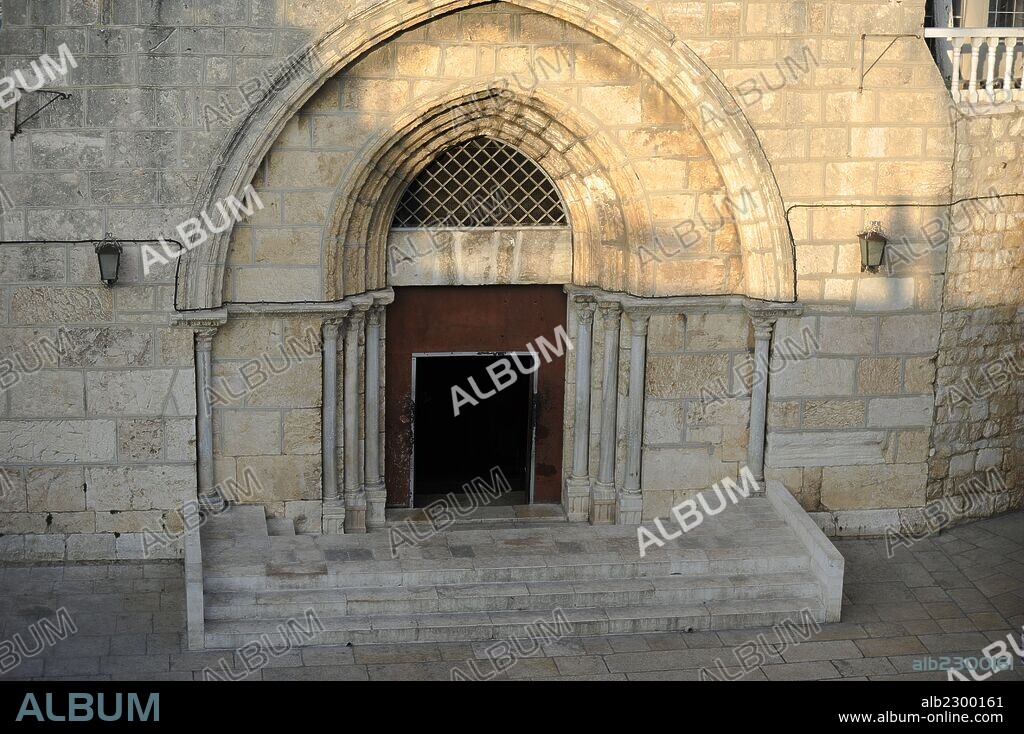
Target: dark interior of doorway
column 452, row 450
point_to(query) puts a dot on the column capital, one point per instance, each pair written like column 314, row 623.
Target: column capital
column 355, row 320
column 611, row 312
column 764, row 321
column 330, row 328
column 585, row 307
column 204, row 338
column 639, row 320
column 374, row 315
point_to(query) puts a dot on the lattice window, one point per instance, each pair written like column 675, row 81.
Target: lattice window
column 481, row 183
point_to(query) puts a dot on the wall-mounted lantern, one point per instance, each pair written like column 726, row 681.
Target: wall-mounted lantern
column 872, row 247
column 108, row 252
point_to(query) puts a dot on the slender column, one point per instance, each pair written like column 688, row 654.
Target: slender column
column 376, row 495
column 204, row 417
column 631, row 501
column 355, row 495
column 602, row 494
column 334, row 507
column 764, row 324
column 578, row 486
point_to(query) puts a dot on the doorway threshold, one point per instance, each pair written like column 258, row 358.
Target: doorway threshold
column 503, row 516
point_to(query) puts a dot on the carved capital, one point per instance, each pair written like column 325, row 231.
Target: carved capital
column 611, row 314
column 204, row 339
column 585, row 309
column 374, row 316
column 764, row 321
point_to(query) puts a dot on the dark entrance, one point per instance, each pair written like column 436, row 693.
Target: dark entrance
column 454, row 441
column 473, row 321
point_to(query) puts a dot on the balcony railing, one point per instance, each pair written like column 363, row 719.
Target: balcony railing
column 982, row 65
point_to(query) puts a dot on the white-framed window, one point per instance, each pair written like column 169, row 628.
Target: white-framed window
column 1006, row 14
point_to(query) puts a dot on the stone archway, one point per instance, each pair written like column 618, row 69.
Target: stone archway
column 607, row 211
column 768, row 260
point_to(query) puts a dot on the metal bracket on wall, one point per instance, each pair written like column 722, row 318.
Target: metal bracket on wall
column 863, row 51
column 19, row 124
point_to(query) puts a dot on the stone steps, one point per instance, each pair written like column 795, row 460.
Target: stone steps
column 486, row 580
column 506, row 596
column 478, row 626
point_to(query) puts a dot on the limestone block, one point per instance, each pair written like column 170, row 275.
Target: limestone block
column 32, row 264
column 12, row 490
column 284, row 478
column 298, row 386
column 880, row 486
column 71, row 522
column 716, row 331
column 686, row 374
column 56, row 489
column 673, row 469
column 833, row 413
column 140, row 439
column 277, row 284
column 162, row 487
column 250, row 432
column 878, row 376
column 108, row 346
column 245, row 337
column 55, row 305
column 306, row 514
column 885, row 294
column 894, row 412
column 302, row 432
column 90, row 547
column 128, row 392
column 666, row 333
column 817, row 448
column 663, row 422
column 913, row 446
column 49, row 393
column 56, row 441
column 814, row 377
column 847, row 335
column 132, row 521
column 919, row 375
column 909, row 334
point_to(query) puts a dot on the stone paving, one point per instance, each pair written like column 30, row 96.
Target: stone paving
column 950, row 594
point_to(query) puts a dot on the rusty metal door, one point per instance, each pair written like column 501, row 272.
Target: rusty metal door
column 473, row 319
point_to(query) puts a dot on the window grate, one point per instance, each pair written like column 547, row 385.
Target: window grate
column 481, row 183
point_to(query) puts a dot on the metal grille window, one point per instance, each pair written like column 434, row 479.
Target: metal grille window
column 481, row 183
column 1006, row 14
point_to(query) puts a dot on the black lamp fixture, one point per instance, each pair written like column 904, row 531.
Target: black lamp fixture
column 109, row 254
column 872, row 247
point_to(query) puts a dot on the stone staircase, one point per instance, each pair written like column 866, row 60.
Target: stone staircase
column 482, row 580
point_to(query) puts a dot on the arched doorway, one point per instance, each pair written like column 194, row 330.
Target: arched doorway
column 479, row 249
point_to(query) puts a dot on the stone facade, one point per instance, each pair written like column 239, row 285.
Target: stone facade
column 704, row 150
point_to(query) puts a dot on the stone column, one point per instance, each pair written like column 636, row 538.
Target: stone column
column 355, row 494
column 334, row 506
column 208, row 498
column 631, row 500
column 602, row 494
column 376, row 496
column 578, row 486
column 764, row 325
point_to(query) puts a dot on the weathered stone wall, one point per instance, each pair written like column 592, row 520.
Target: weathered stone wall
column 979, row 423
column 266, row 407
column 97, row 406
column 156, row 95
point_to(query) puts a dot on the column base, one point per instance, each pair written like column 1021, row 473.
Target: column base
column 333, row 518
column 376, row 498
column 602, row 504
column 630, row 509
column 212, row 503
column 355, row 513
column 577, row 499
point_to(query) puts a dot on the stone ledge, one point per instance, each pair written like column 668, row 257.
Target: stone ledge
column 827, row 563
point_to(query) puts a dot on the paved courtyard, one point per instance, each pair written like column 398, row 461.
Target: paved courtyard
column 948, row 595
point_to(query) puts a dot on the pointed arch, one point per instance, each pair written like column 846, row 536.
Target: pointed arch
column 767, row 248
